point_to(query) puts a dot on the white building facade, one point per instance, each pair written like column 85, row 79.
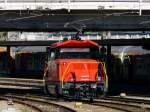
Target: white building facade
column 75, row 4
column 33, row 36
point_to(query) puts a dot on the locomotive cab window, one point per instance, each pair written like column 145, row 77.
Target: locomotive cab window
column 51, row 53
column 77, row 53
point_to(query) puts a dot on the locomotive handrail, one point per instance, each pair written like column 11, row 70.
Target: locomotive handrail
column 45, row 72
column 103, row 67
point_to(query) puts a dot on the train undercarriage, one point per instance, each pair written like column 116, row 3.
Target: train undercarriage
column 75, row 90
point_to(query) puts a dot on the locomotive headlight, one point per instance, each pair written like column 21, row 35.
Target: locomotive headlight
column 93, row 86
column 99, row 79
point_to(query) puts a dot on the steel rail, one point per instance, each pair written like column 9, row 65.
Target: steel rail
column 126, row 99
column 41, row 101
column 126, row 104
column 21, row 82
column 123, row 104
column 45, row 99
column 106, row 102
column 119, row 103
column 24, row 103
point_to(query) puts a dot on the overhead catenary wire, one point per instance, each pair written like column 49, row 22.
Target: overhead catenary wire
column 80, row 24
column 28, row 17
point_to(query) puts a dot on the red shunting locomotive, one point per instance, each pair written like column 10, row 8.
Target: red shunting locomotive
column 74, row 69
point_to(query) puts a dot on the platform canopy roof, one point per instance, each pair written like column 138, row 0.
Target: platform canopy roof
column 49, row 21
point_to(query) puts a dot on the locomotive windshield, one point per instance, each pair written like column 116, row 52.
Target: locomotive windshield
column 75, row 53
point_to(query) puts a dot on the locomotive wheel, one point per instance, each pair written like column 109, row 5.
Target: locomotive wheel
column 56, row 90
column 46, row 91
column 105, row 91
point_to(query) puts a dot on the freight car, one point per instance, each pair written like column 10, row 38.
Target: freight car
column 6, row 63
column 75, row 70
column 3, row 61
column 30, row 64
column 133, row 68
column 139, row 70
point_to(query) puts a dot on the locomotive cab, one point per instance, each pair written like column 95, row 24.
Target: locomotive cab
column 74, row 69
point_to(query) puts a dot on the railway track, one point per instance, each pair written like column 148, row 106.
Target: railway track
column 128, row 104
column 27, row 104
column 38, row 104
column 127, row 99
column 117, row 103
column 65, row 103
column 21, row 82
column 123, row 105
